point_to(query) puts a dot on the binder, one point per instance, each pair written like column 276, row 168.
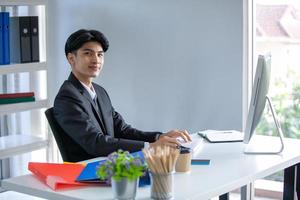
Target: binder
column 16, row 95
column 1, row 40
column 34, row 38
column 4, row 38
column 20, row 43
column 17, row 100
column 57, row 175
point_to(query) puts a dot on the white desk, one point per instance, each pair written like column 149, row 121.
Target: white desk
column 229, row 169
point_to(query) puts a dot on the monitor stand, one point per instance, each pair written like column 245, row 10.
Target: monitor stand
column 257, row 148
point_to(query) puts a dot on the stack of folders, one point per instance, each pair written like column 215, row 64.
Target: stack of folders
column 65, row 175
column 19, row 39
column 16, row 97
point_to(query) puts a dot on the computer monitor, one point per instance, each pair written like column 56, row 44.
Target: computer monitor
column 258, row 101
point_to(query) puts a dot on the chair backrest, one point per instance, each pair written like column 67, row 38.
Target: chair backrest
column 65, row 143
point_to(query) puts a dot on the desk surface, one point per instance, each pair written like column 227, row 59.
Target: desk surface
column 229, row 169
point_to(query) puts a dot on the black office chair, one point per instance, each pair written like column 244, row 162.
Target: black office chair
column 64, row 141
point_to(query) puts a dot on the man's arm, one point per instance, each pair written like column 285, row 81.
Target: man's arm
column 154, row 138
column 123, row 130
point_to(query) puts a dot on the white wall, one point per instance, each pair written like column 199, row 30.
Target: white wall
column 171, row 64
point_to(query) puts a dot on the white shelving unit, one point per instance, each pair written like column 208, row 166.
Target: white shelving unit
column 19, row 107
column 16, row 144
column 23, row 2
column 19, row 144
column 26, row 67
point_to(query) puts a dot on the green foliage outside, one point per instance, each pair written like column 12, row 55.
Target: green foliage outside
column 287, row 107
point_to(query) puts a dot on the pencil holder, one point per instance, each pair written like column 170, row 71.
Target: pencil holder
column 162, row 185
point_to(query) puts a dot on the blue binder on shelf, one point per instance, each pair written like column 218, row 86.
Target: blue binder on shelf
column 88, row 174
column 1, row 40
column 4, row 38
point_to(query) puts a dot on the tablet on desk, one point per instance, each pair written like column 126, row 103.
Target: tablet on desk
column 218, row 136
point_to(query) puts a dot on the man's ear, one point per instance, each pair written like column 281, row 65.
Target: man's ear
column 71, row 58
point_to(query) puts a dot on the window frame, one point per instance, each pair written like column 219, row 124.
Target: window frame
column 248, row 53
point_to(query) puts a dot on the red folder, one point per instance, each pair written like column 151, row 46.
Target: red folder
column 57, row 176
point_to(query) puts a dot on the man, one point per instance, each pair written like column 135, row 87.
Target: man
column 84, row 111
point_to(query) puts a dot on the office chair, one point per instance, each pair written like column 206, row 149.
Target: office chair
column 63, row 141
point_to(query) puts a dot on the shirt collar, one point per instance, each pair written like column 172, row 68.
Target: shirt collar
column 91, row 90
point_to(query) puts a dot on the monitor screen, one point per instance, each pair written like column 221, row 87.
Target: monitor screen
column 258, row 96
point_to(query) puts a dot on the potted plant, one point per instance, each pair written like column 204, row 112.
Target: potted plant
column 124, row 171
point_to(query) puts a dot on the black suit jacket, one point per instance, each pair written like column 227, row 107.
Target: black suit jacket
column 76, row 113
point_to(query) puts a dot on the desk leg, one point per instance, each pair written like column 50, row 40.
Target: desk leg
column 224, row 196
column 298, row 181
column 289, row 183
column 247, row 192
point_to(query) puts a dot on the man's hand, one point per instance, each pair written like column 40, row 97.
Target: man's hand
column 176, row 133
column 170, row 138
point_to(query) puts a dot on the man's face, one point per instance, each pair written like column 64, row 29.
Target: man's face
column 87, row 61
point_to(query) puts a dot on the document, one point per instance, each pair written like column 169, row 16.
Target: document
column 218, row 136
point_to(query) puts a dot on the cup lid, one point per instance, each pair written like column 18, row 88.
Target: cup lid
column 184, row 150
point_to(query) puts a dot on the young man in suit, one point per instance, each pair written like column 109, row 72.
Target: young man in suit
column 84, row 111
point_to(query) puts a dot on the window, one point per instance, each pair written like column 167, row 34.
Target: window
column 276, row 30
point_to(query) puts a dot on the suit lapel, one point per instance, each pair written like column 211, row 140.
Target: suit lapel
column 85, row 93
column 103, row 108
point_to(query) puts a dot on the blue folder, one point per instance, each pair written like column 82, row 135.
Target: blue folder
column 88, row 174
column 4, row 38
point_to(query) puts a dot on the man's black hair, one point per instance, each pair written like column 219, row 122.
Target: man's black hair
column 82, row 36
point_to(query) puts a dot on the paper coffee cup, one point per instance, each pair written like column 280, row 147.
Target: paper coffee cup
column 183, row 163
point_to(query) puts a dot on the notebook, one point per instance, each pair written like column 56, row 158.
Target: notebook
column 218, row 136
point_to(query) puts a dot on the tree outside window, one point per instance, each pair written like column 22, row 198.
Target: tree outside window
column 278, row 32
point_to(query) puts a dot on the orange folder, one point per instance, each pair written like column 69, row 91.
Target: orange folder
column 57, row 176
